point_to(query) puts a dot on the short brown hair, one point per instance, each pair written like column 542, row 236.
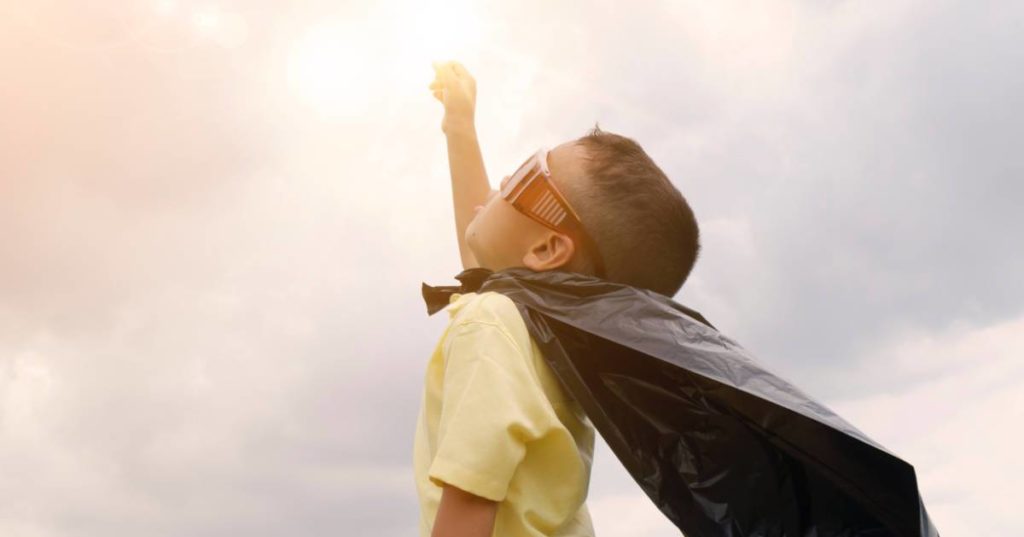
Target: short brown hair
column 643, row 226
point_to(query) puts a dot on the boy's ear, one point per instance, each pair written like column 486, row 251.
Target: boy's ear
column 553, row 250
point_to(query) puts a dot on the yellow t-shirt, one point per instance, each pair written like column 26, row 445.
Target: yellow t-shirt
column 496, row 422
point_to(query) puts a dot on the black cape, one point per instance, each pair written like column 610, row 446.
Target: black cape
column 721, row 445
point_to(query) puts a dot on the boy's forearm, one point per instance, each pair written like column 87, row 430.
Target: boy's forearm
column 469, row 181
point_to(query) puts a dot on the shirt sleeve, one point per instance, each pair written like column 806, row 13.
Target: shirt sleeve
column 492, row 406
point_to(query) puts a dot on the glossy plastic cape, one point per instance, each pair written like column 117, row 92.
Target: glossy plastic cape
column 722, row 446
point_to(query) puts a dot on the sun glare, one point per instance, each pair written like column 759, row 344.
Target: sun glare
column 440, row 31
column 327, row 68
column 338, row 67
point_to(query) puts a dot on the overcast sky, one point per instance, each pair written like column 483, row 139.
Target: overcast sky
column 215, row 218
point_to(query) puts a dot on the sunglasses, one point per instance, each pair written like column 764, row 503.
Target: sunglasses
column 532, row 192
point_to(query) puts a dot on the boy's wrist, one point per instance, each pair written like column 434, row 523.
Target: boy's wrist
column 460, row 129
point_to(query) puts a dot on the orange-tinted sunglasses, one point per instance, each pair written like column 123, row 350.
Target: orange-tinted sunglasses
column 532, row 192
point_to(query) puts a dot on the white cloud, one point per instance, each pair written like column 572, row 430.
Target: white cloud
column 956, row 418
column 628, row 515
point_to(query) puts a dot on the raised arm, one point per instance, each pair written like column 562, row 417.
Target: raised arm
column 456, row 89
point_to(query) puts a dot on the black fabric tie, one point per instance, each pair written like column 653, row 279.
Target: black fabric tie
column 437, row 297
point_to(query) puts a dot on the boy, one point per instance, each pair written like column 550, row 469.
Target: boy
column 500, row 448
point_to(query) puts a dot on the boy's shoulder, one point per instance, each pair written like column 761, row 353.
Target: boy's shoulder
column 496, row 311
column 488, row 306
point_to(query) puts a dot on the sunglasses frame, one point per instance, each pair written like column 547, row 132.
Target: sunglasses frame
column 532, row 192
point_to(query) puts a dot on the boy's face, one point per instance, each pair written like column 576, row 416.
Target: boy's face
column 500, row 236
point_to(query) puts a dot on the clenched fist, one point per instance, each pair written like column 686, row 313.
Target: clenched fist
column 456, row 90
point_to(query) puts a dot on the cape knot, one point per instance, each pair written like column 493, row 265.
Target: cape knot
column 439, row 296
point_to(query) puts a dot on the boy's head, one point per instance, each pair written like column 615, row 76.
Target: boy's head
column 641, row 224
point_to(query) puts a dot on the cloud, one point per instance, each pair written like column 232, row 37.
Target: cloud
column 954, row 416
column 622, row 515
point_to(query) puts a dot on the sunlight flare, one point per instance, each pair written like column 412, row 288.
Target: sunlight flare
column 333, row 65
column 328, row 68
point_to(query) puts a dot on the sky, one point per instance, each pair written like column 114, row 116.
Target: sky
column 215, row 218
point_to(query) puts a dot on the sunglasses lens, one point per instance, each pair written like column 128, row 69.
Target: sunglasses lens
column 548, row 208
